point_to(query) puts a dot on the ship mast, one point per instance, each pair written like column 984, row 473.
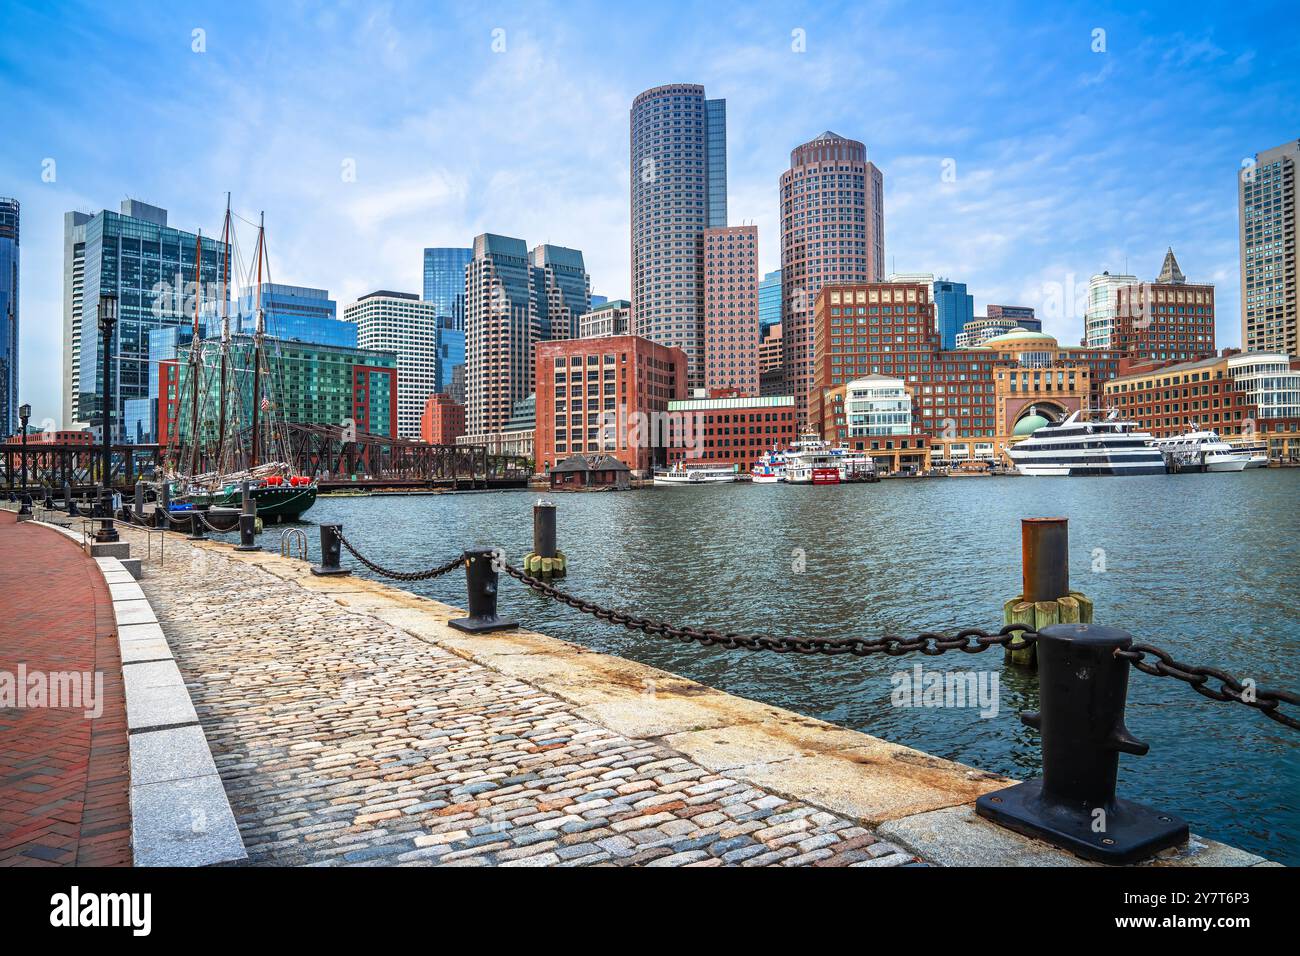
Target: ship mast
column 258, row 330
column 194, row 355
column 225, row 339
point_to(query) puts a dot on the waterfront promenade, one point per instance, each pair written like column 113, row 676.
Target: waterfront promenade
column 349, row 725
column 63, row 777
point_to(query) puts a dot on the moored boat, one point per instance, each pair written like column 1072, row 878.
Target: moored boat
column 1084, row 445
column 1200, row 451
column 697, row 473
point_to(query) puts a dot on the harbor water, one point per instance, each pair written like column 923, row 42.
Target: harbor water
column 1206, row 566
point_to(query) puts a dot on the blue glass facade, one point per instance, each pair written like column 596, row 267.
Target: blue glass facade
column 953, row 308
column 451, row 352
column 560, row 278
column 295, row 314
column 9, row 399
column 769, row 301
column 444, row 281
column 715, row 116
column 150, row 268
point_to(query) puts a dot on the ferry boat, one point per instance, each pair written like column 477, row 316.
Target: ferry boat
column 1256, row 452
column 769, row 468
column 855, row 465
column 812, row 461
column 697, row 473
column 1200, row 451
column 1084, row 445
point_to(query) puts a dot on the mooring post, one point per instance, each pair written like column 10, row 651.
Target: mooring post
column 24, row 507
column 1083, row 687
column 331, row 547
column 68, row 504
column 196, row 525
column 247, row 519
column 1045, row 596
column 481, row 577
column 546, row 559
column 139, row 502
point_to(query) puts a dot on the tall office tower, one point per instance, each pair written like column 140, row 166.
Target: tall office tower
column 563, row 290
column 953, row 308
column 502, row 325
column 402, row 323
column 292, row 313
column 150, row 268
column 731, row 309
column 769, row 300
column 832, row 231
column 9, row 399
column 1099, row 318
column 679, row 189
column 1269, row 218
column 444, row 281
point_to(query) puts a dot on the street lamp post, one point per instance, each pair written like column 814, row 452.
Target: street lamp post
column 107, row 320
column 25, row 507
column 24, row 414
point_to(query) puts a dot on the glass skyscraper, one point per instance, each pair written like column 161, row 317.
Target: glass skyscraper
column 953, row 308
column 769, row 301
column 150, row 267
column 9, row 399
column 294, row 313
column 679, row 189
column 451, row 352
column 444, row 281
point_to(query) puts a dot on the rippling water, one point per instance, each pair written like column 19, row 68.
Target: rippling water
column 1207, row 566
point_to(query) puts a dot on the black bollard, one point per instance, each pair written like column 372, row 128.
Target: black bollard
column 164, row 505
column 139, row 502
column 68, row 503
column 330, row 550
column 196, row 526
column 481, row 583
column 49, row 500
column 25, row 506
column 247, row 520
column 1082, row 691
column 544, row 529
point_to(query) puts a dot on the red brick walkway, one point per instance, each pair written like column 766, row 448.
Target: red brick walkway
column 63, row 777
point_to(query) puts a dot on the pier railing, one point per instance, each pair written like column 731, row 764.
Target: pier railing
column 1083, row 670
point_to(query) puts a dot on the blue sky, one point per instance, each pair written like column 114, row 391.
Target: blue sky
column 1068, row 161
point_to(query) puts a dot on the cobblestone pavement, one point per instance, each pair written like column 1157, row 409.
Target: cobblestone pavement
column 63, row 776
column 342, row 740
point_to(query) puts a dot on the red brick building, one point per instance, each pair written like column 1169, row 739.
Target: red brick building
column 443, row 420
column 1169, row 320
column 731, row 308
column 731, row 429
column 967, row 401
column 1249, row 397
column 606, row 396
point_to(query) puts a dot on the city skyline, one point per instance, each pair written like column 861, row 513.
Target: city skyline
column 1021, row 190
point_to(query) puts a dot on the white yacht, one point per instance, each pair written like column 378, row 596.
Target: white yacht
column 1082, row 445
column 769, row 468
column 697, row 473
column 1256, row 452
column 1201, row 450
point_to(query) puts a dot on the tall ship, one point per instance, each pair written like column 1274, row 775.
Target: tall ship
column 1200, row 451
column 1088, row 443
column 241, row 438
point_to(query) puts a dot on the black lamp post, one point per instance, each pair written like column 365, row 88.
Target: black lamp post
column 24, row 414
column 107, row 320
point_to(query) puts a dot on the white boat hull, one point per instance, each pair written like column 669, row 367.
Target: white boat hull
column 1226, row 463
column 765, row 479
column 694, row 480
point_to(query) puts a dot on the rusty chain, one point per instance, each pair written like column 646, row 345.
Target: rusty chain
column 970, row 640
column 1230, row 688
column 431, row 573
